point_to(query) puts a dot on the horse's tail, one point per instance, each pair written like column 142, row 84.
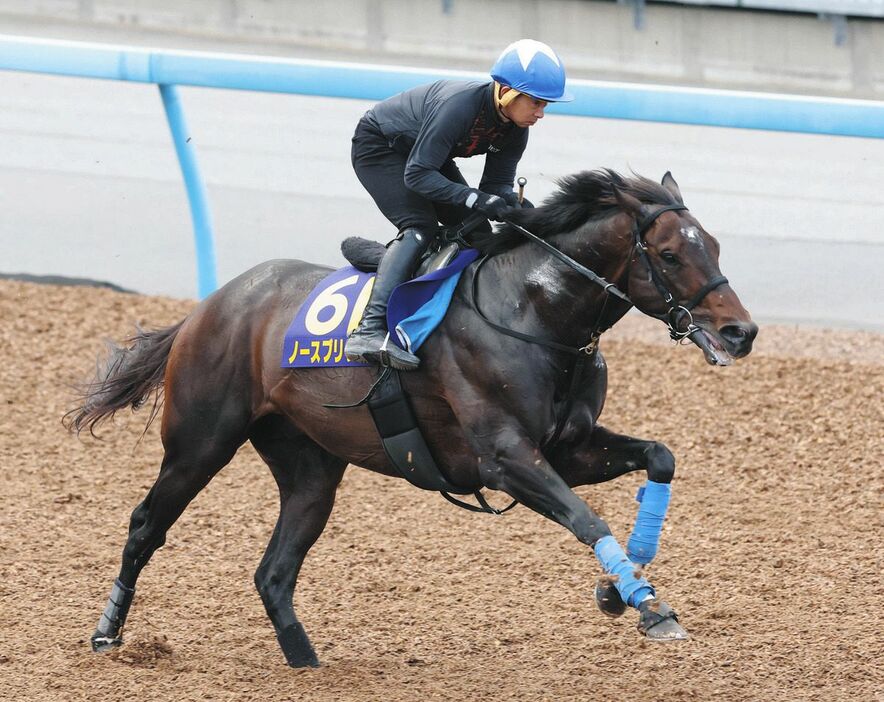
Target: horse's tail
column 129, row 375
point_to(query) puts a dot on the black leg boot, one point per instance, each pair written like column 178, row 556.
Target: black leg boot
column 368, row 342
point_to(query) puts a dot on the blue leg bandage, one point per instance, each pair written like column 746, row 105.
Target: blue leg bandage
column 610, row 554
column 654, row 500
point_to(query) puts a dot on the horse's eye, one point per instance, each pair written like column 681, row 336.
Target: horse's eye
column 669, row 257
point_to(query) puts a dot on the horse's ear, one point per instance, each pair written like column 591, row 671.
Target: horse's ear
column 669, row 183
column 629, row 204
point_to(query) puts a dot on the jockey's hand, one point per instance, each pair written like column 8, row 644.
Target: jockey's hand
column 492, row 206
column 512, row 199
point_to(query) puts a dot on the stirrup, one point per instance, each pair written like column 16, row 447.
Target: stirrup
column 400, row 359
column 371, row 342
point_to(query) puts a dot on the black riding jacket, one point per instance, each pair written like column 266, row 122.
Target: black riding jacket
column 434, row 123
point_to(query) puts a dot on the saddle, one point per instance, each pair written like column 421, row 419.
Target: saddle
column 365, row 254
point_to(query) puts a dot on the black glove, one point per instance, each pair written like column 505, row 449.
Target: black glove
column 492, row 206
column 512, row 199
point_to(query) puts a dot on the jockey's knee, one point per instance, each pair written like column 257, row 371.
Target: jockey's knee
column 661, row 463
column 416, row 219
column 418, row 238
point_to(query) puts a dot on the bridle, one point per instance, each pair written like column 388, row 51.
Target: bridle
column 677, row 310
column 673, row 316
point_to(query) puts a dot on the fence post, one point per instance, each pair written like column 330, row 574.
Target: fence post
column 196, row 192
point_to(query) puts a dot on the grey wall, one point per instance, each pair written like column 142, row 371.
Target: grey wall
column 689, row 45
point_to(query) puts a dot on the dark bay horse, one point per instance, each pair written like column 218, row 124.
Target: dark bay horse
column 497, row 411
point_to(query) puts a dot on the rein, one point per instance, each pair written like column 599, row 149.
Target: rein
column 673, row 316
column 587, row 349
column 580, row 268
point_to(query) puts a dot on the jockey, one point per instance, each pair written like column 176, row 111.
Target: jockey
column 403, row 151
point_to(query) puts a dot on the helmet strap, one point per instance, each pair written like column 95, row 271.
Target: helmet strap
column 501, row 101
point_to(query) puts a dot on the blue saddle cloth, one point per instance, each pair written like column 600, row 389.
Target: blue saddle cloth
column 418, row 306
column 333, row 309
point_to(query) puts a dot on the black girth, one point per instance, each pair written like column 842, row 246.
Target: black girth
column 406, row 448
column 404, row 443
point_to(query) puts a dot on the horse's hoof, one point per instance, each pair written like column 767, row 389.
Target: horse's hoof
column 659, row 622
column 103, row 644
column 608, row 599
column 301, row 659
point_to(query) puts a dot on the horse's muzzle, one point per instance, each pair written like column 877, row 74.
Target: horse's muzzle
column 726, row 344
column 738, row 337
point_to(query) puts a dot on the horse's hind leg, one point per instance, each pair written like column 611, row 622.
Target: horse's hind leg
column 308, row 477
column 196, row 449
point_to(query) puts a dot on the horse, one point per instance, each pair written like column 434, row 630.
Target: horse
column 508, row 396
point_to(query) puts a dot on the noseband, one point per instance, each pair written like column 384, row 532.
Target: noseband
column 677, row 311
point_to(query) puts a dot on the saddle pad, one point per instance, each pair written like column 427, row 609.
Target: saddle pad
column 334, row 308
column 418, row 306
column 316, row 336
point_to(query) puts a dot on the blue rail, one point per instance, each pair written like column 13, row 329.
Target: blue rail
column 196, row 191
column 720, row 108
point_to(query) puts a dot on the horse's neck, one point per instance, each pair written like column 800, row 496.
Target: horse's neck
column 553, row 299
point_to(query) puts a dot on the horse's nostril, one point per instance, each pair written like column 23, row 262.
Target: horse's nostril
column 739, row 334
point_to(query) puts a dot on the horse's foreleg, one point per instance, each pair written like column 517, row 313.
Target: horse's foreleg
column 511, row 463
column 190, row 462
column 307, row 478
column 603, row 455
column 519, row 469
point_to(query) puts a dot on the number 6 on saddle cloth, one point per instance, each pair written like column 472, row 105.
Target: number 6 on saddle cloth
column 316, row 336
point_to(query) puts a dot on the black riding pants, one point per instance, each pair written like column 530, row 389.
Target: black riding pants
column 381, row 170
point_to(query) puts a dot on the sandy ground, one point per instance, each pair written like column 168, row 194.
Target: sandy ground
column 772, row 551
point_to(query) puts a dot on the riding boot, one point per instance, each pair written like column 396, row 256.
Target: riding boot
column 369, row 342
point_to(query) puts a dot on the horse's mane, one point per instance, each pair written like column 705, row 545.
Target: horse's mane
column 584, row 196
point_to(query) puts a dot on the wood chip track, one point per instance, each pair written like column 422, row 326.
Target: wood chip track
column 772, row 551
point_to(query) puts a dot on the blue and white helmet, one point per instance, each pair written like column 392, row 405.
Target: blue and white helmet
column 532, row 67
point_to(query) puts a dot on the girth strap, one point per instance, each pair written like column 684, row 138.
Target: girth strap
column 480, row 498
column 403, row 442
column 405, row 446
